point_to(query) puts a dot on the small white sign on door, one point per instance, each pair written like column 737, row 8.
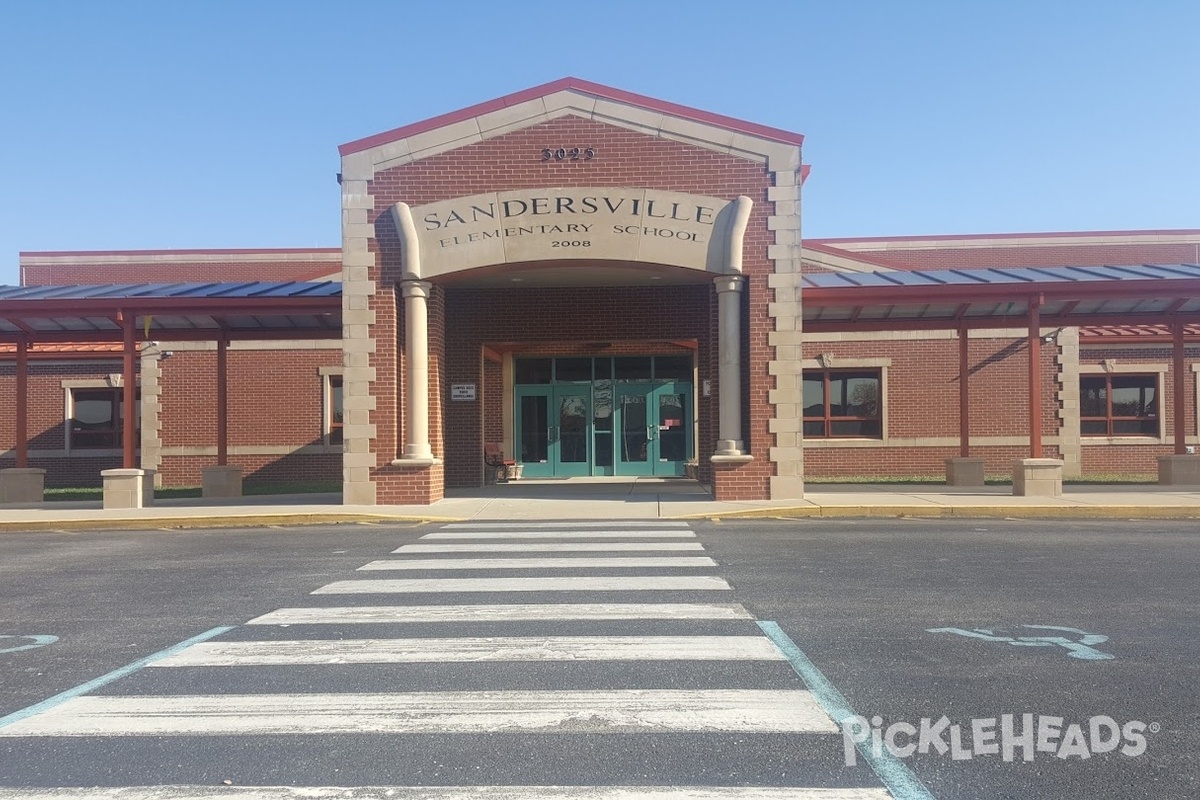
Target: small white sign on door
column 462, row 391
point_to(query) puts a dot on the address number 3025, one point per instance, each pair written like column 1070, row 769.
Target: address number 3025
column 568, row 154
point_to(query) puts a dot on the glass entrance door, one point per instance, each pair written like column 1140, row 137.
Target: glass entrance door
column 654, row 428
column 634, row 434
column 552, row 428
column 571, row 416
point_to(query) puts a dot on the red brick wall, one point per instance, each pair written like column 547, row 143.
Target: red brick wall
column 275, row 399
column 286, row 469
column 893, row 462
column 46, row 418
column 922, row 402
column 179, row 269
column 513, row 161
column 491, row 398
column 1141, row 458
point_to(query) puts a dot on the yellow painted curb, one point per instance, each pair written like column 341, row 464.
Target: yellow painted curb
column 960, row 512
column 180, row 523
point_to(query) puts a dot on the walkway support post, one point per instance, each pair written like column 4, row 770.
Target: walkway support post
column 22, row 433
column 20, row 484
column 1036, row 476
column 129, row 395
column 964, row 470
column 1182, row 468
column 1035, row 377
column 416, row 354
column 964, row 395
column 1177, row 366
column 729, row 373
column 128, row 487
column 222, row 480
column 222, row 400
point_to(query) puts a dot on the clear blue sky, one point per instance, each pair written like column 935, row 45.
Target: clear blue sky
column 215, row 124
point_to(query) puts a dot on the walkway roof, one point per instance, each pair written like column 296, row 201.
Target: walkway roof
column 931, row 299
column 1086, row 296
column 172, row 311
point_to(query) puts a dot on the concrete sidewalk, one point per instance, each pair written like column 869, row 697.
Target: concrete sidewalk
column 620, row 498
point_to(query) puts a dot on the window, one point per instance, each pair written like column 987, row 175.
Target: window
column 97, row 418
column 333, row 411
column 842, row 404
column 1118, row 405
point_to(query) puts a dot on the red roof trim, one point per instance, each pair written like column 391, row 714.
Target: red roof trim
column 1061, row 234
column 107, row 350
column 213, row 252
column 587, row 87
column 1138, row 333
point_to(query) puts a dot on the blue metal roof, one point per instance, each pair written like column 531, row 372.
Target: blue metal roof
column 196, row 291
column 997, row 296
column 192, row 310
column 1002, row 275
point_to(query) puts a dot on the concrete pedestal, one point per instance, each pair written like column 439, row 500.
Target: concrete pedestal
column 22, row 485
column 223, row 481
column 127, row 488
column 1037, row 477
column 964, row 472
column 1179, row 470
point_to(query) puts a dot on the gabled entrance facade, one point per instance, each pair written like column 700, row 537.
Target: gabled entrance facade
column 582, row 276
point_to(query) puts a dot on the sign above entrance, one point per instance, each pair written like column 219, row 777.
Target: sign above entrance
column 595, row 224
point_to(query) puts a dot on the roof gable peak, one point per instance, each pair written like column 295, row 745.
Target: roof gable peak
column 563, row 97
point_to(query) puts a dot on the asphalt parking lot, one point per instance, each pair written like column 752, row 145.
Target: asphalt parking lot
column 1056, row 624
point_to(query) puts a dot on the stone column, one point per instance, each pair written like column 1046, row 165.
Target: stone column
column 416, row 356
column 125, row 488
column 729, row 375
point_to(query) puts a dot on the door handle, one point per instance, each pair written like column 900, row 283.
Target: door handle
column 650, row 431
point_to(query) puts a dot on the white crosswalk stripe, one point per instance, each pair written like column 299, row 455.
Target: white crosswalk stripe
column 514, row 612
column 566, row 583
column 475, row 649
column 538, row 563
column 548, row 547
column 549, row 711
column 560, row 534
column 540, row 637
column 526, row 526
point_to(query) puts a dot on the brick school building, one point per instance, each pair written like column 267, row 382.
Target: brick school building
column 595, row 283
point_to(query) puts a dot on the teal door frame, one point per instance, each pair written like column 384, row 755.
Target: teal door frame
column 553, row 429
column 653, row 428
column 650, row 433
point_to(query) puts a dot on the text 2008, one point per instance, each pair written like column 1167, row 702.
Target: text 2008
column 571, row 244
